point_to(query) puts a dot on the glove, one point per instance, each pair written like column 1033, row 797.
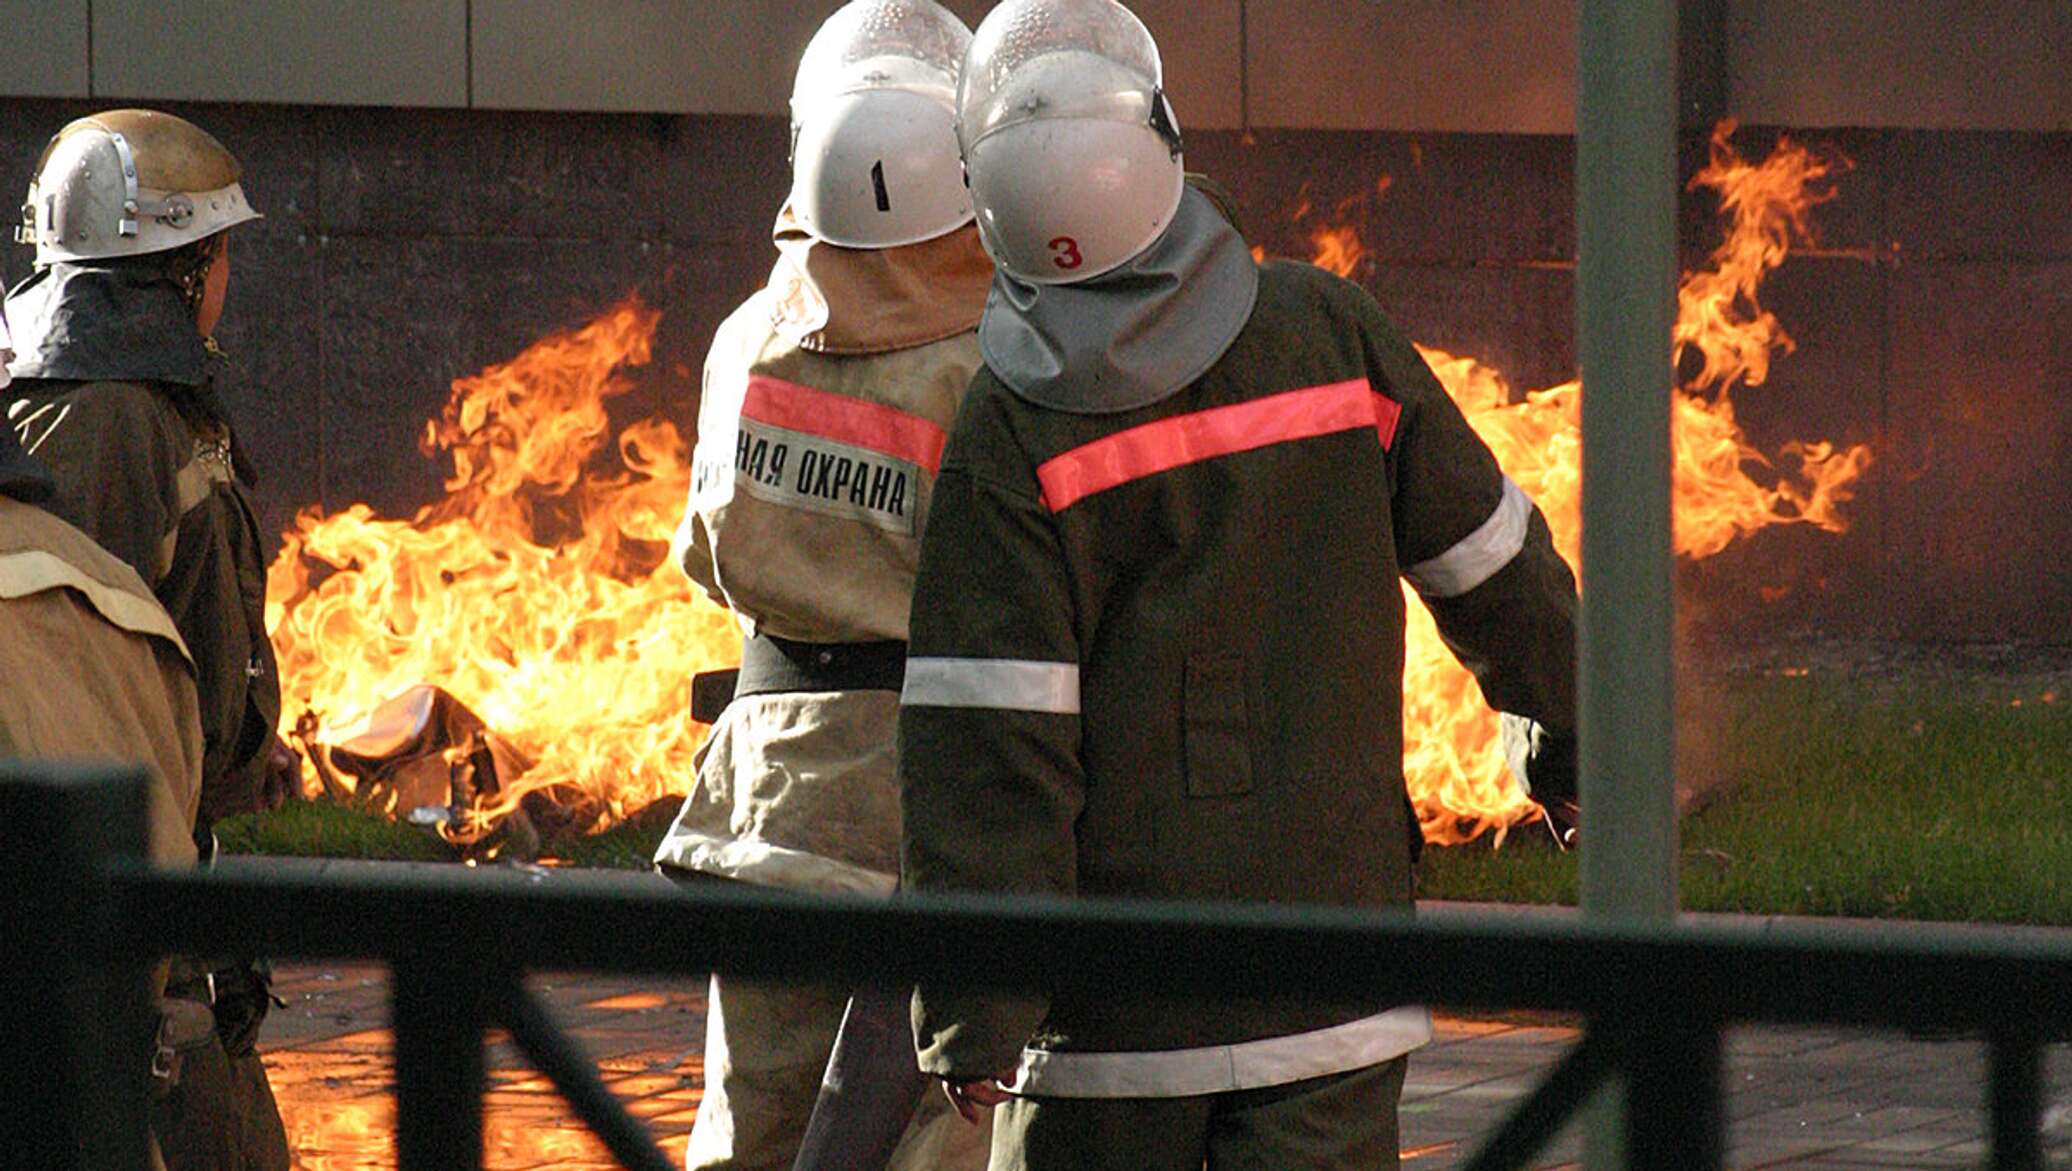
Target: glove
column 1544, row 761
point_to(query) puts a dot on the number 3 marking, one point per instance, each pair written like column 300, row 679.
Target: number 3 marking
column 1067, row 250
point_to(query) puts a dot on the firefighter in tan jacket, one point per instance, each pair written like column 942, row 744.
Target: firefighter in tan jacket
column 112, row 680
column 826, row 399
column 96, row 672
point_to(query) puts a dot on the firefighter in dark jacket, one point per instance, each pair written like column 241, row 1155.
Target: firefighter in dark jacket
column 1158, row 629
column 827, row 395
column 114, row 392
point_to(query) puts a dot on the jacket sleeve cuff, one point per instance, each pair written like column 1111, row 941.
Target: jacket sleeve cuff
column 961, row 1036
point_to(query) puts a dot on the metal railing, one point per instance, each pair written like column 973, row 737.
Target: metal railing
column 1655, row 1000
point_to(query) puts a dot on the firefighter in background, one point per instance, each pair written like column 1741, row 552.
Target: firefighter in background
column 114, row 393
column 1158, row 633
column 826, row 399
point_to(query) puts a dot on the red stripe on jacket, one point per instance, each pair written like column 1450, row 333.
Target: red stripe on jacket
column 1152, row 448
column 885, row 430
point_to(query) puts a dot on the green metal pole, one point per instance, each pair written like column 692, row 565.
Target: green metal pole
column 1625, row 309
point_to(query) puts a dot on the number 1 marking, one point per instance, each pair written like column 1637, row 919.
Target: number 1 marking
column 878, row 181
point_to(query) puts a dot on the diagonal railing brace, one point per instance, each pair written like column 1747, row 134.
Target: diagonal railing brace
column 1540, row 1117
column 533, row 1029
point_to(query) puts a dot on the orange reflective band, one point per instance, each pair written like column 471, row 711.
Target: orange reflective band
column 1184, row 439
column 853, row 421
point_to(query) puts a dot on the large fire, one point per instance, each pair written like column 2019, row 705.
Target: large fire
column 1456, row 776
column 537, row 593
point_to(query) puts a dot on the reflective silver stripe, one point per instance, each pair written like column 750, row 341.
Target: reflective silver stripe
column 1216, row 1069
column 1022, row 685
column 1477, row 556
column 32, row 571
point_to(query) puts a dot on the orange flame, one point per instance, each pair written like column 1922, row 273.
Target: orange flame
column 1456, row 775
column 537, row 592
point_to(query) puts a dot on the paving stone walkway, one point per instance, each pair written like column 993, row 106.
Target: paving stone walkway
column 1800, row 1098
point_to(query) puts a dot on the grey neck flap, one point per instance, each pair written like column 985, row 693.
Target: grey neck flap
column 99, row 321
column 1130, row 337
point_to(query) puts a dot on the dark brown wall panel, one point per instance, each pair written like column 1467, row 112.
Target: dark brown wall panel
column 1980, row 449
column 405, row 248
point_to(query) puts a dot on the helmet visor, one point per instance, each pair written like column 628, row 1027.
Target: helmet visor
column 881, row 44
column 1035, row 59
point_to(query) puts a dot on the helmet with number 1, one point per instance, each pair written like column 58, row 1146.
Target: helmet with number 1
column 1073, row 153
column 873, row 147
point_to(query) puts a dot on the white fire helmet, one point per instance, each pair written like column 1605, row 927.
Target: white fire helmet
column 1072, row 150
column 873, row 147
column 130, row 182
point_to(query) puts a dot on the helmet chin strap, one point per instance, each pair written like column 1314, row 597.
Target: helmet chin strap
column 1162, row 121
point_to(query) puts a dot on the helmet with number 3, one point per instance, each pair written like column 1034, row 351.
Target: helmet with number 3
column 873, row 149
column 1072, row 151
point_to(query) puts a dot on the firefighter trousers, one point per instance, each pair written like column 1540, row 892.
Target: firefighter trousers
column 1340, row 1122
column 766, row 1049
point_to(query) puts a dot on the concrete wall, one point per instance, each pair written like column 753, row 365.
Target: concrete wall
column 1498, row 66
column 405, row 248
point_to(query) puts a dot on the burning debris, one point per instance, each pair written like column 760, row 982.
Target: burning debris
column 537, row 597
column 425, row 759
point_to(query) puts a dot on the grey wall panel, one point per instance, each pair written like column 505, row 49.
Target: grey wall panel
column 1927, row 64
column 1471, row 65
column 46, row 48
column 739, row 55
column 640, row 55
column 335, row 52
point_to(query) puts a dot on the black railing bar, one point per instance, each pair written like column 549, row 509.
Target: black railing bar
column 439, row 1014
column 1674, row 1104
column 1534, row 1122
column 571, row 1070
column 2014, row 1100
column 1909, row 977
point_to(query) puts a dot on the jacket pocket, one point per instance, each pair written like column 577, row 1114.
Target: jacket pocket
column 1215, row 729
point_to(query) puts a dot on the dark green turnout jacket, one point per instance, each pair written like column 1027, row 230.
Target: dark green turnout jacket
column 1159, row 653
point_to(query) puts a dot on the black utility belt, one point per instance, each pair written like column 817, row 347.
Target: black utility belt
column 774, row 666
